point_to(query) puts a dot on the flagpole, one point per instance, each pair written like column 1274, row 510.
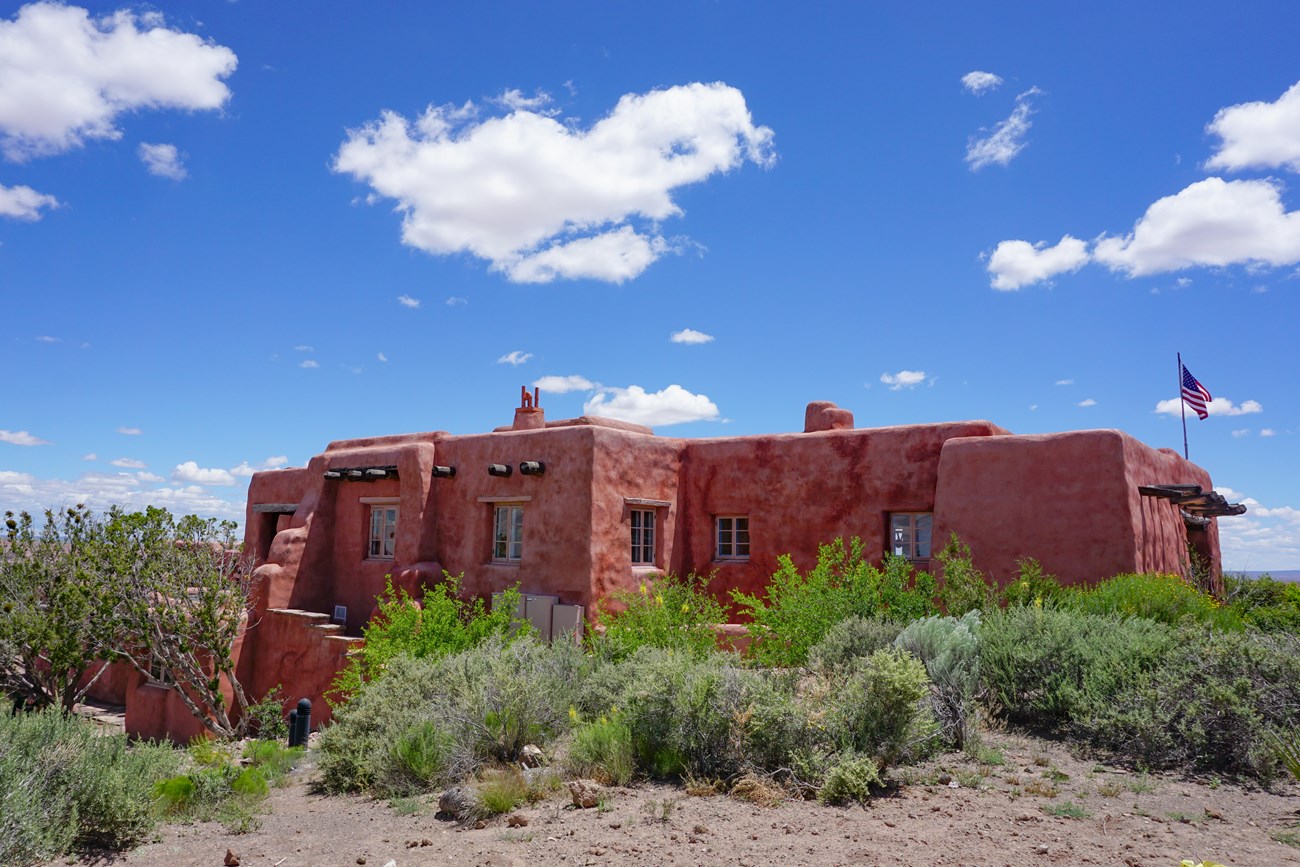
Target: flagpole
column 1182, row 405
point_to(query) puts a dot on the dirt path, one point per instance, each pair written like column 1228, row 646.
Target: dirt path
column 1039, row 806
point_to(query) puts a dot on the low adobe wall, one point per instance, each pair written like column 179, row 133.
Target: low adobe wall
column 302, row 653
column 1068, row 500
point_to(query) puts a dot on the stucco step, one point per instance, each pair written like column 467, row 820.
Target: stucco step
column 299, row 613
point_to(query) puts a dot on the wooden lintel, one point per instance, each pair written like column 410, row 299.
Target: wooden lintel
column 275, row 508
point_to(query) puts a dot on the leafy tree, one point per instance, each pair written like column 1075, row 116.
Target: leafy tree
column 56, row 607
column 185, row 597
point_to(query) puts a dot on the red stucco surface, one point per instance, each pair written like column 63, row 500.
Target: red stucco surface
column 1069, row 500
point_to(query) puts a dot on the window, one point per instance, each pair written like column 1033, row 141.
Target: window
column 508, row 534
column 909, row 535
column 383, row 532
column 159, row 673
column 643, row 537
column 733, row 538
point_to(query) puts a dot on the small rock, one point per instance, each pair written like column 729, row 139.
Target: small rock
column 1041, row 848
column 701, row 829
column 532, row 756
column 953, row 784
column 615, row 825
column 596, row 850
column 232, row 860
column 480, row 825
column 392, row 862
column 586, row 793
column 456, row 802
column 517, row 820
column 361, row 859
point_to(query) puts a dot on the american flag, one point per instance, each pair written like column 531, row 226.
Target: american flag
column 1195, row 395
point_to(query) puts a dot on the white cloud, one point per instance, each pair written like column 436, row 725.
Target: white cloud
column 903, row 379
column 90, row 457
column 1228, row 493
column 1019, row 263
column 128, row 463
column 130, row 431
column 538, row 199
column 1065, row 382
column 1087, row 401
column 162, row 160
column 1006, row 140
column 381, row 357
column 309, row 364
column 45, row 338
column 21, row 438
column 613, row 256
column 275, row 462
column 515, row 357
column 408, row 301
column 65, row 77
column 1241, row 432
column 564, row 384
column 671, row 405
column 690, row 335
column 302, row 347
column 24, row 203
column 1263, row 538
column 1258, row 134
column 22, row 491
column 190, row 473
column 979, row 82
column 456, row 301
column 1267, row 432
column 1217, row 406
column 514, row 100
column 1212, row 222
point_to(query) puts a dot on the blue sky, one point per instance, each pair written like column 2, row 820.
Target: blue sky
column 232, row 232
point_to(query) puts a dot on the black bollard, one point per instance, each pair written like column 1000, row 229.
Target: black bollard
column 304, row 721
column 293, row 728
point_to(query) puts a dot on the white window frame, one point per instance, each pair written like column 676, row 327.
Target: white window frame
column 644, row 525
column 508, row 532
column 903, row 541
column 727, row 544
column 381, row 539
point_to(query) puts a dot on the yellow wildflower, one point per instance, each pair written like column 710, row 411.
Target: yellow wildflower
column 685, row 608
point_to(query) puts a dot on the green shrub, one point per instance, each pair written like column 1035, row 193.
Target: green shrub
column 251, row 783
column 1046, row 667
column 879, row 709
column 680, row 710
column 421, row 754
column 665, row 611
column 65, row 785
column 1263, row 603
column 442, row 624
column 602, row 751
column 489, row 701
column 852, row 639
column 500, row 791
column 1215, row 704
column 1161, row 597
column 1033, row 587
column 964, row 587
column 268, row 718
column 849, row 779
column 273, row 758
column 949, row 649
column 798, row 609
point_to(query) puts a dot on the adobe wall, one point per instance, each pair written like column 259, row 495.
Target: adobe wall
column 557, row 525
column 629, row 465
column 306, row 653
column 802, row 490
column 1069, row 500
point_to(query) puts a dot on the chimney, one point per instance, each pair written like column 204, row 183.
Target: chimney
column 529, row 415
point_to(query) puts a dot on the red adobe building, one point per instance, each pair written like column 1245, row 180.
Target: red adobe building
column 572, row 510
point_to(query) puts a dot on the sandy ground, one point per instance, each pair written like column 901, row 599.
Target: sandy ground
column 1040, row 805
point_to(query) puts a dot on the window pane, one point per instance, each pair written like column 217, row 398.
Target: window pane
column 923, row 523
column 901, row 535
